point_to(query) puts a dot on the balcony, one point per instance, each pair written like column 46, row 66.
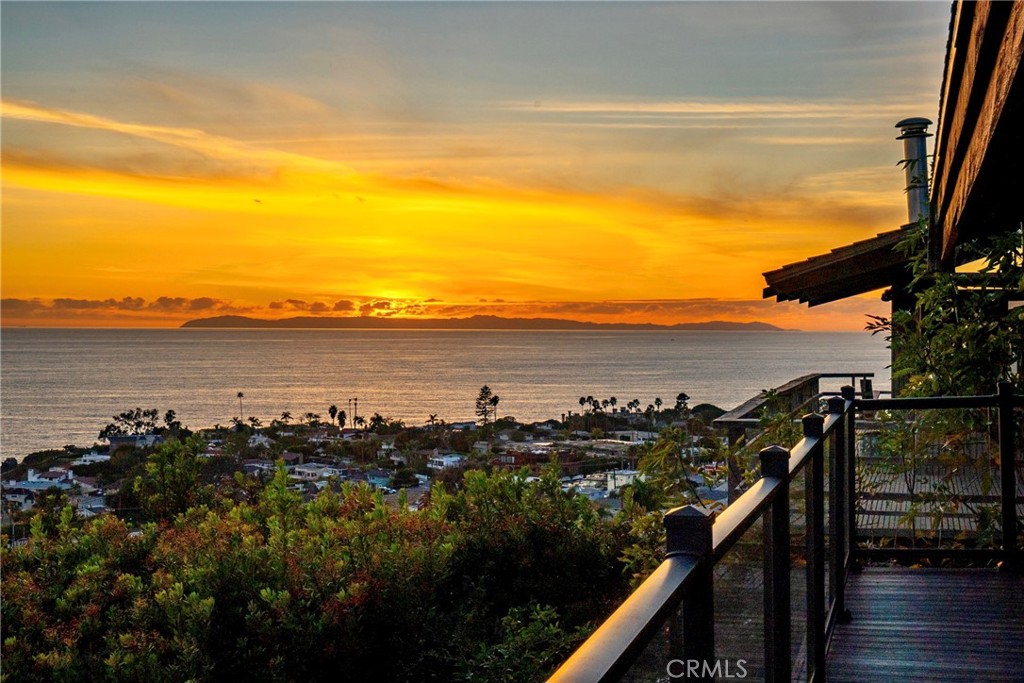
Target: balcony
column 872, row 550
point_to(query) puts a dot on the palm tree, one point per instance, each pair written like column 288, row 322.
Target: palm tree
column 583, row 402
column 240, row 412
column 342, row 417
column 286, row 417
column 493, row 402
column 613, row 402
column 332, row 411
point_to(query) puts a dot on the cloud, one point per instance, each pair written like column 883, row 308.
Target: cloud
column 126, row 304
column 21, row 306
column 379, row 307
column 712, row 108
column 37, row 307
column 343, row 305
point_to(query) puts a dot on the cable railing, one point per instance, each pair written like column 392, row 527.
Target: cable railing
column 807, row 502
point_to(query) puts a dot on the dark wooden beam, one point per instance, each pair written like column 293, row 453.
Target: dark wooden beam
column 977, row 147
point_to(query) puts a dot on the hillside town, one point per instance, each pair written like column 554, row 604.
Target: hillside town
column 596, row 452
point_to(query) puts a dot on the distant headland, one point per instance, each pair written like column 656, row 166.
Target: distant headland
column 476, row 322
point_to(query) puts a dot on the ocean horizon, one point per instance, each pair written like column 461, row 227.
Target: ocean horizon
column 60, row 386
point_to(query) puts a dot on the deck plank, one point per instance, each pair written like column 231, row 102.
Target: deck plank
column 930, row 625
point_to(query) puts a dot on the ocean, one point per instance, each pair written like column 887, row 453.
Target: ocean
column 61, row 386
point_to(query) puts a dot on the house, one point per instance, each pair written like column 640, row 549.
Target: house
column 212, row 452
column 518, row 459
column 134, row 441
column 445, row 462
column 291, row 458
column 90, row 459
column 259, row 466
column 616, row 479
column 633, row 435
column 310, row 471
column 378, row 478
column 19, row 497
column 259, row 441
column 90, row 506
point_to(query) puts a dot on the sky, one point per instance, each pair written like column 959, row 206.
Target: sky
column 612, row 161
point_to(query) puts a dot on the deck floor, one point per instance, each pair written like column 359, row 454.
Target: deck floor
column 930, row 625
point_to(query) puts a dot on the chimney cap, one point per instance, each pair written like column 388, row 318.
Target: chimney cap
column 915, row 126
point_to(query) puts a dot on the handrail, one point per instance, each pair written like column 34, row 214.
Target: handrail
column 616, row 644
column 733, row 522
column 696, row 542
column 927, row 402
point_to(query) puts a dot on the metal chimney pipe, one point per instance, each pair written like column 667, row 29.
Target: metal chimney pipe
column 913, row 132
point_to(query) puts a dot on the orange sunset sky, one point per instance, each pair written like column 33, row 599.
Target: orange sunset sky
column 613, row 162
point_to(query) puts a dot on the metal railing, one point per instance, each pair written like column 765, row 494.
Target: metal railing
column 680, row 593
column 1003, row 402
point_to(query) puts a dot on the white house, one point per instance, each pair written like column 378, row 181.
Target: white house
column 444, row 462
column 311, row 471
column 260, row 441
column 619, row 478
column 90, row 459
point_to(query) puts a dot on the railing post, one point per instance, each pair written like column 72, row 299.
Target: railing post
column 688, row 532
column 837, row 508
column 778, row 658
column 849, row 395
column 1008, row 475
column 813, row 428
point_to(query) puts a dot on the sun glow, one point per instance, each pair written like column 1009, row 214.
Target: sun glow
column 422, row 178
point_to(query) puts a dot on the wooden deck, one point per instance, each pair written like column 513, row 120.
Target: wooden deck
column 947, row 500
column 930, row 625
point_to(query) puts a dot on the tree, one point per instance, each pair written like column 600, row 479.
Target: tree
column 171, row 422
column 131, row 423
column 240, row 411
column 332, row 411
column 377, row 422
column 959, row 339
column 169, row 485
column 493, row 403
column 342, row 418
column 483, row 404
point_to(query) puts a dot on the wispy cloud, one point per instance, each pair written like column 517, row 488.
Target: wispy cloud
column 718, row 109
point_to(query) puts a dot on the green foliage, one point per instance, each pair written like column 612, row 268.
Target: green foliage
column 960, row 340
column 132, row 422
column 169, row 485
column 495, row 582
column 668, row 469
